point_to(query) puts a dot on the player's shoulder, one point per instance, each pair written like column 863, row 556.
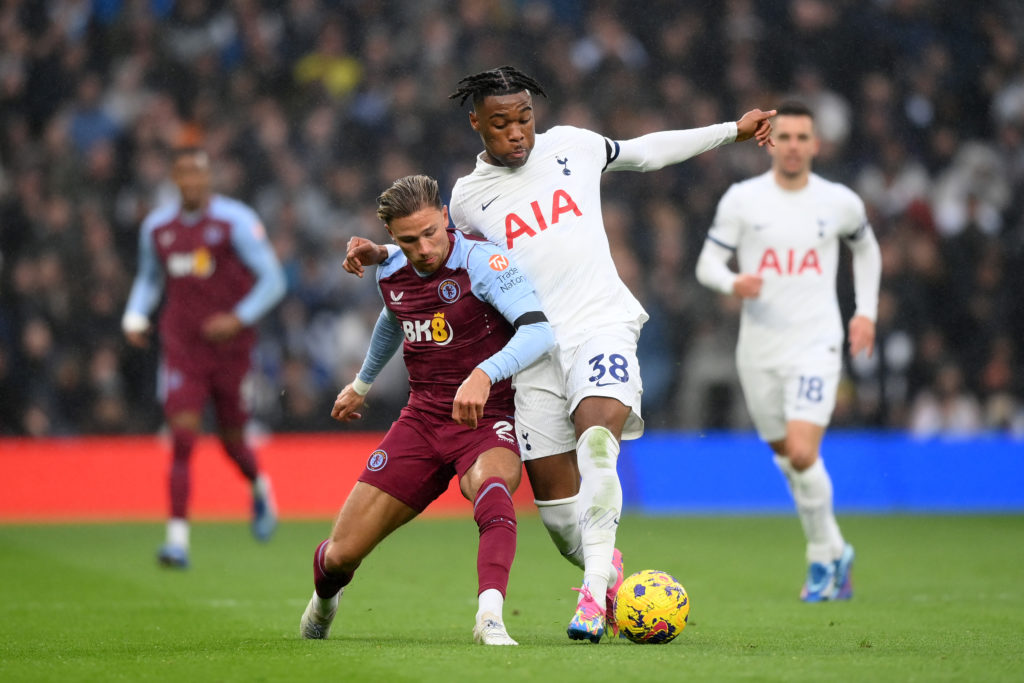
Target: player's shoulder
column 558, row 136
column 230, row 209
column 161, row 215
column 473, row 251
column 392, row 264
column 837, row 193
column 480, row 258
column 744, row 190
column 840, row 191
column 757, row 183
column 459, row 189
column 565, row 131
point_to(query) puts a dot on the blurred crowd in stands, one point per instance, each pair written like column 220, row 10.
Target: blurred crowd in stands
column 309, row 108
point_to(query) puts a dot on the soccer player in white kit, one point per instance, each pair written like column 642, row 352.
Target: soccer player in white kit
column 539, row 197
column 784, row 228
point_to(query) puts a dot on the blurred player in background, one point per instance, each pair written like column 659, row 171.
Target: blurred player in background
column 468, row 320
column 784, row 229
column 211, row 255
column 539, row 196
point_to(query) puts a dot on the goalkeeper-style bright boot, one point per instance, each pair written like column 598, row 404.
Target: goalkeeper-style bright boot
column 843, row 569
column 613, row 589
column 589, row 621
column 820, row 582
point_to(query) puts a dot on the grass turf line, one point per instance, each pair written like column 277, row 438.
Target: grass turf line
column 936, row 599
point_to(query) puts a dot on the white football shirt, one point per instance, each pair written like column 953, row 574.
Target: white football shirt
column 547, row 214
column 790, row 238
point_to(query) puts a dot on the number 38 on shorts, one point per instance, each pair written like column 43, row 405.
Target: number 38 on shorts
column 611, row 370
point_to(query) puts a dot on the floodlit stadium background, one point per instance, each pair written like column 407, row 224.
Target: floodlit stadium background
column 308, row 108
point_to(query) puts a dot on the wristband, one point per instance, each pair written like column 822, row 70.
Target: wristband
column 361, row 387
column 134, row 322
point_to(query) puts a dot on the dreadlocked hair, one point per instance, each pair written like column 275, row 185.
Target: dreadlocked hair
column 505, row 80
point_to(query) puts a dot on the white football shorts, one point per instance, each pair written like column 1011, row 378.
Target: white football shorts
column 548, row 391
column 800, row 391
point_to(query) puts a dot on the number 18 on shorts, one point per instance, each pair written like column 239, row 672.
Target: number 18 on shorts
column 777, row 395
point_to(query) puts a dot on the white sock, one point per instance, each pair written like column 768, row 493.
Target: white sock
column 177, row 532
column 324, row 606
column 600, row 505
column 812, row 492
column 491, row 600
column 261, row 487
column 561, row 519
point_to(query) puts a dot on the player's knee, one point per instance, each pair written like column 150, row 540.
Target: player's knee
column 555, row 477
column 232, row 437
column 801, row 455
column 512, row 477
column 340, row 558
column 553, row 488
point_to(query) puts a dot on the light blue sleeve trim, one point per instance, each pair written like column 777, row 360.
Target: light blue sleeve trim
column 529, row 343
column 507, row 290
column 149, row 280
column 386, row 339
column 250, row 241
column 512, row 294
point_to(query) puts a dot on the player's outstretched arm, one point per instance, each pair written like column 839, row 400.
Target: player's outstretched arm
column 363, row 252
column 347, row 405
column 756, row 124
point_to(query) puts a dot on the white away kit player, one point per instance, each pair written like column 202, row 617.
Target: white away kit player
column 784, row 228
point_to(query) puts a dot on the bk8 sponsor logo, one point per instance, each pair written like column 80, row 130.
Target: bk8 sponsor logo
column 437, row 330
column 198, row 263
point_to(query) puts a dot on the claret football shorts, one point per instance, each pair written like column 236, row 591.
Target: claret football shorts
column 421, row 453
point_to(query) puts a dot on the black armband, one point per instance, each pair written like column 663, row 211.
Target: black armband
column 530, row 318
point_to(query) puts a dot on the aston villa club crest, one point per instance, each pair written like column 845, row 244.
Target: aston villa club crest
column 449, row 291
column 213, row 235
column 377, row 460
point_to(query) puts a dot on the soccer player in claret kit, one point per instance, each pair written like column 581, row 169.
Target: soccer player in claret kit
column 539, row 196
column 468, row 320
column 212, row 256
column 784, row 228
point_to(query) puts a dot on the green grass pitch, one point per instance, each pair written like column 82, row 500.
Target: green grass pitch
column 937, row 598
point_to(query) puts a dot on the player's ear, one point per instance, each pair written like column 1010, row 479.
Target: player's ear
column 444, row 216
column 474, row 121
